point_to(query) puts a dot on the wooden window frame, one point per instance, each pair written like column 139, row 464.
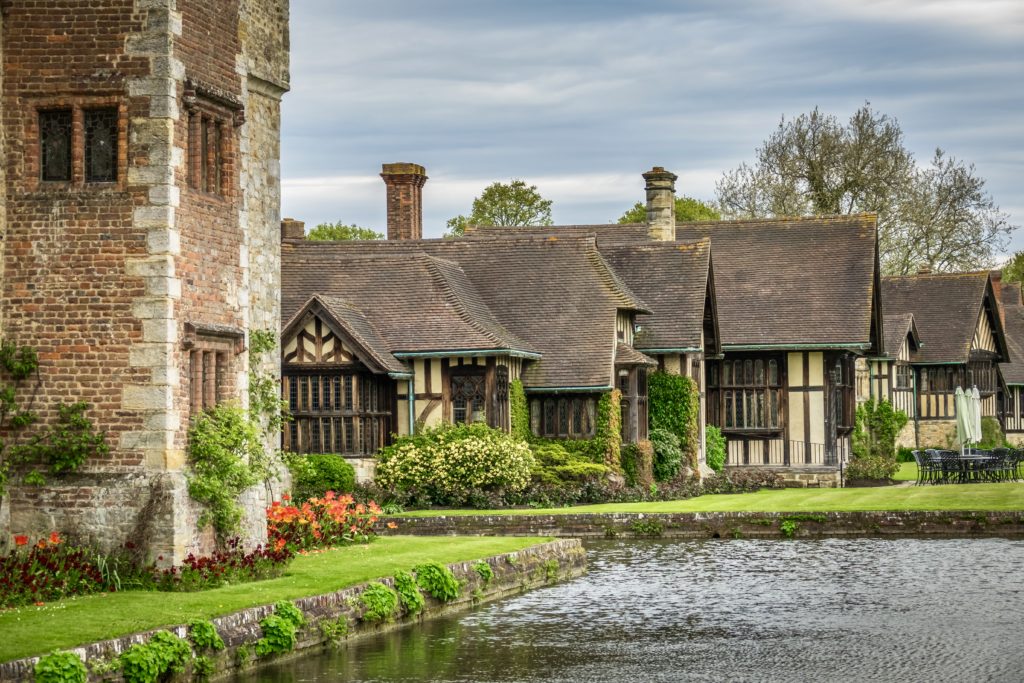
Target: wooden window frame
column 459, row 373
column 723, row 391
column 78, row 180
column 546, row 411
column 343, row 410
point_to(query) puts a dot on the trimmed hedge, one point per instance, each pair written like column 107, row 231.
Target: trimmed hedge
column 314, row 475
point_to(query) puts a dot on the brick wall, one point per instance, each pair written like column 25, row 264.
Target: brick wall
column 111, row 281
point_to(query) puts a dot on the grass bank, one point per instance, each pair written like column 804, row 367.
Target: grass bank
column 1009, row 496
column 68, row 623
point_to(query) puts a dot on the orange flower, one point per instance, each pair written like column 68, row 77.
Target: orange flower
column 392, row 525
column 41, row 544
column 40, row 604
column 21, row 540
column 286, row 497
column 280, row 544
column 55, row 538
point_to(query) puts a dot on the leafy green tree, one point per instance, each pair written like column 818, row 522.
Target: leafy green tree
column 339, row 231
column 687, row 209
column 939, row 216
column 1013, row 269
column 504, row 204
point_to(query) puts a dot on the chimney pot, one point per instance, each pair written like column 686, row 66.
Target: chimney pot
column 661, row 204
column 292, row 229
column 405, row 183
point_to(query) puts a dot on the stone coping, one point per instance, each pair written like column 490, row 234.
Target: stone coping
column 513, row 573
column 695, row 525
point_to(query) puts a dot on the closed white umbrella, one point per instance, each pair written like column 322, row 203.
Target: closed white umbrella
column 976, row 407
column 964, row 417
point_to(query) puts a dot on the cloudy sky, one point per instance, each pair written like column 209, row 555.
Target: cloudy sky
column 579, row 97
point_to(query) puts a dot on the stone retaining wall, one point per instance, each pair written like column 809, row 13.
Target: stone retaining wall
column 722, row 524
column 513, row 573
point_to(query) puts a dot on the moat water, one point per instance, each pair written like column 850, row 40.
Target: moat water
column 730, row 610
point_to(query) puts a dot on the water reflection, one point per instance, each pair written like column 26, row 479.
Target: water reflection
column 831, row 610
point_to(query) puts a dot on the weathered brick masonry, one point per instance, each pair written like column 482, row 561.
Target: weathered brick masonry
column 119, row 283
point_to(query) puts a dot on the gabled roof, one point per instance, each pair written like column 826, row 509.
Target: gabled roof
column 673, row 278
column 556, row 292
column 898, row 327
column 1013, row 310
column 415, row 302
column 350, row 322
column 946, row 309
column 794, row 282
column 779, row 282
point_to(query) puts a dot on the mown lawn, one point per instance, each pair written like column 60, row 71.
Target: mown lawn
column 67, row 623
column 907, row 472
column 1009, row 496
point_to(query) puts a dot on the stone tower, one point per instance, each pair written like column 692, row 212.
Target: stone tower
column 140, row 219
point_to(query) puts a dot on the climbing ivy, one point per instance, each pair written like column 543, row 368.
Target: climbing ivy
column 519, row 411
column 674, row 405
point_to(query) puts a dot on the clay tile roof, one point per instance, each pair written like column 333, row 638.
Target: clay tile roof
column 416, row 303
column 897, row 327
column 627, row 355
column 1013, row 310
column 792, row 281
column 672, row 277
column 946, row 308
column 557, row 293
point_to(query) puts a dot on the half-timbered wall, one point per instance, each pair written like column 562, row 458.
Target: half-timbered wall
column 432, row 386
column 1014, row 411
column 624, row 327
column 337, row 404
column 800, row 437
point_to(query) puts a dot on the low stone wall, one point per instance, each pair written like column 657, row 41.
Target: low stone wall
column 723, row 524
column 799, row 477
column 336, row 616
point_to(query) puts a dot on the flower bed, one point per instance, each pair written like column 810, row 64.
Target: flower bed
column 320, row 522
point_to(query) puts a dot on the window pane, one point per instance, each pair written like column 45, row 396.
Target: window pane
column 314, row 393
column 759, row 371
column 775, row 409
column 749, row 401
column 563, row 417
column 550, row 428
column 728, row 409
column 773, row 373
column 726, row 374
column 760, row 409
column 748, row 372
column 591, row 408
column 100, row 145
column 348, row 391
column 535, row 417
column 577, row 417
column 55, row 144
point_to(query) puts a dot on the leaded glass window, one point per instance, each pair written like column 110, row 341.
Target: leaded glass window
column 55, row 144
column 468, row 392
column 100, row 145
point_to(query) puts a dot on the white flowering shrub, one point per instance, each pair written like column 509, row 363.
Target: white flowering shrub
column 449, row 463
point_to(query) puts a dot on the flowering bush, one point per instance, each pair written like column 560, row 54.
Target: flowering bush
column 228, row 566
column 320, row 522
column 449, row 462
column 48, row 569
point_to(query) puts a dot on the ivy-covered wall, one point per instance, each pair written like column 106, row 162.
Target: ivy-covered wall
column 674, row 405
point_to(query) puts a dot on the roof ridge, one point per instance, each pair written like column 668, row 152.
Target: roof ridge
column 457, row 303
column 611, row 279
column 831, row 217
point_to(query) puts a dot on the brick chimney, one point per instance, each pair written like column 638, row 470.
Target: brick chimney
column 996, row 276
column 405, row 199
column 661, row 204
column 292, row 229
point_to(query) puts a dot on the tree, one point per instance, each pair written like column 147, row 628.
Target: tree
column 1013, row 269
column 501, row 204
column 687, row 209
column 339, row 231
column 939, row 216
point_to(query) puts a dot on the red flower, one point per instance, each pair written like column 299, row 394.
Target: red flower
column 286, row 497
column 55, row 538
column 21, row 540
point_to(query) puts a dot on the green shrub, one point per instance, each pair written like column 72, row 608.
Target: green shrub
column 437, row 580
column 227, row 457
column 904, row 454
column 204, row 635
column 555, row 464
column 409, row 593
column 715, row 445
column 484, row 570
column 148, row 662
column 991, row 433
column 380, row 602
column 674, row 405
column 873, row 441
column 628, row 457
column 61, row 667
column 668, row 455
column 447, row 462
column 316, row 474
column 279, row 629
